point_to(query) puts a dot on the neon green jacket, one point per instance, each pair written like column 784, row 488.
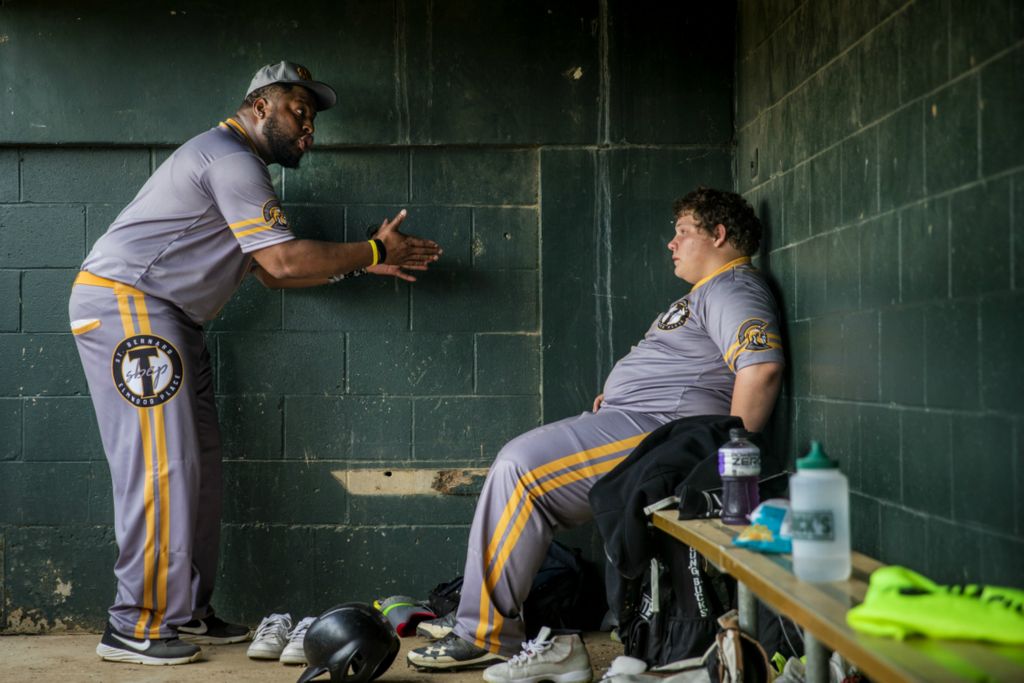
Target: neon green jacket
column 901, row 603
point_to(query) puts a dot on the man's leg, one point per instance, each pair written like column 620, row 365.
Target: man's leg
column 204, row 627
column 206, row 539
column 138, row 355
column 538, row 483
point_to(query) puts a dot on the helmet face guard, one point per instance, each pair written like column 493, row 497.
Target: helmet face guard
column 353, row 641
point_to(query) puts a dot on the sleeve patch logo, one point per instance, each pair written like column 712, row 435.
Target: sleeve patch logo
column 273, row 214
column 753, row 335
column 676, row 316
column 147, row 370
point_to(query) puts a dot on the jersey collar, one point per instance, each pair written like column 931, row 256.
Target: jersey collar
column 232, row 124
column 742, row 260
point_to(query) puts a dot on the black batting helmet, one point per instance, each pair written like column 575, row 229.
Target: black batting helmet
column 354, row 641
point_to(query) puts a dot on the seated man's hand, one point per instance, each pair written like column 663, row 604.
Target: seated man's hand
column 598, row 400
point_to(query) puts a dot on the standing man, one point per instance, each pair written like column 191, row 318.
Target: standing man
column 715, row 351
column 173, row 257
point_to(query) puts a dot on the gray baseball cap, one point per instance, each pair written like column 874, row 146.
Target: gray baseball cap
column 292, row 73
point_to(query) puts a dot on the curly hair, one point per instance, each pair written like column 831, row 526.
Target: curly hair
column 712, row 207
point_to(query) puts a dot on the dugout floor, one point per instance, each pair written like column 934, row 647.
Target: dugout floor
column 72, row 658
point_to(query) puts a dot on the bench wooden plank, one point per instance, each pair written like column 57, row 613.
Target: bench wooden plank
column 821, row 609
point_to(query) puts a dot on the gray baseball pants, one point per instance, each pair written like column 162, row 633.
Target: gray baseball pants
column 538, row 484
column 151, row 385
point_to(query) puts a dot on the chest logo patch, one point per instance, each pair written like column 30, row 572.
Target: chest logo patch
column 676, row 316
column 753, row 335
column 147, row 370
column 273, row 214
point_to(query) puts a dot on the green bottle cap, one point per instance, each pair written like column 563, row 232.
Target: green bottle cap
column 816, row 460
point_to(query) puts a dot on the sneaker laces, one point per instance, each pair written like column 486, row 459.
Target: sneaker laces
column 533, row 648
column 269, row 626
column 299, row 633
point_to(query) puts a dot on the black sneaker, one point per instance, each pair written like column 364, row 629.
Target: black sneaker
column 213, row 631
column 452, row 653
column 117, row 647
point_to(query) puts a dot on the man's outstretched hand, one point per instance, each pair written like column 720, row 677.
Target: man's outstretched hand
column 405, row 252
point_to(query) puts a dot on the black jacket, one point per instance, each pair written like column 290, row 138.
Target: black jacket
column 651, row 473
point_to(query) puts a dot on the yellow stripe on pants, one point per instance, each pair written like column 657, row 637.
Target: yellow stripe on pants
column 525, row 486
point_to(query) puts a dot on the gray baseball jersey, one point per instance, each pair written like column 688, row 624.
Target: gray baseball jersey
column 686, row 363
column 186, row 236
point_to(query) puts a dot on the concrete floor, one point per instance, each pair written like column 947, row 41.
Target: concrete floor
column 72, row 658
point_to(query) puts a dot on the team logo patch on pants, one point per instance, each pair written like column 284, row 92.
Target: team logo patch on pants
column 147, row 370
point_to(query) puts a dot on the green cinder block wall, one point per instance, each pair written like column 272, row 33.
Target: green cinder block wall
column 540, row 143
column 882, row 141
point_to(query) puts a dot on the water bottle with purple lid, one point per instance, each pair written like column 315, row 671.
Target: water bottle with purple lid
column 739, row 464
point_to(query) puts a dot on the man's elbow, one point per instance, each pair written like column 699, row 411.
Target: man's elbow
column 274, row 263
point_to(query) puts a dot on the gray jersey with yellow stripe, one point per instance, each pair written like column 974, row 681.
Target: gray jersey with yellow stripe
column 187, row 235
column 686, row 363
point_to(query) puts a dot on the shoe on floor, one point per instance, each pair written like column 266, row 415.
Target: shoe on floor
column 213, row 630
column 561, row 659
column 436, row 629
column 293, row 652
column 271, row 637
column 117, row 647
column 450, row 654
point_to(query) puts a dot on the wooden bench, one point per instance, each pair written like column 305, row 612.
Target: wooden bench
column 820, row 609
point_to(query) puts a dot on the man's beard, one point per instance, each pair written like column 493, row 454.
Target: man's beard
column 282, row 150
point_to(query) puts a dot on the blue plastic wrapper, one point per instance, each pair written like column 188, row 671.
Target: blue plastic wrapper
column 769, row 528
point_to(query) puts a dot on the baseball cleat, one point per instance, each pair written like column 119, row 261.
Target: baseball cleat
column 451, row 653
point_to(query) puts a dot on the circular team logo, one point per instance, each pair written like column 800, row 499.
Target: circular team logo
column 676, row 316
column 147, row 370
column 273, row 214
column 753, row 335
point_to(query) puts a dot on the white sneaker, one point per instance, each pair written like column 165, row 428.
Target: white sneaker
column 271, row 637
column 562, row 659
column 293, row 652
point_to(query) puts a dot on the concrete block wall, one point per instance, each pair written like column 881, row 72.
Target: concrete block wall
column 540, row 143
column 881, row 141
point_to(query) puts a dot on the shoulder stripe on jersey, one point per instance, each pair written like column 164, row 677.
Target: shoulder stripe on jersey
column 249, row 221
column 253, row 231
column 774, row 342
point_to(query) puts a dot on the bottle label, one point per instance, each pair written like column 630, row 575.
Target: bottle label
column 745, row 463
column 812, row 525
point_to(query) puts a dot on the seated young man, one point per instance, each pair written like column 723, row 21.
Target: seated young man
column 715, row 351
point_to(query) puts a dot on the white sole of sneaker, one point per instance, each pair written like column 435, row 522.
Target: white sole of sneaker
column 567, row 677
column 434, row 665
column 293, row 659
column 208, row 640
column 262, row 654
column 112, row 654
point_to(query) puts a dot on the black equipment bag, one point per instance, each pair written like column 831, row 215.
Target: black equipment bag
column 672, row 612
column 567, row 594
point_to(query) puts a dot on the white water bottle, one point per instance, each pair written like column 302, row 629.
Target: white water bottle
column 820, row 518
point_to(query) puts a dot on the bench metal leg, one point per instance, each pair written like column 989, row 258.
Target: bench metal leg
column 817, row 660
column 748, row 610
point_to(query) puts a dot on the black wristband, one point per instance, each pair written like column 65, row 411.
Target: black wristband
column 381, row 251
